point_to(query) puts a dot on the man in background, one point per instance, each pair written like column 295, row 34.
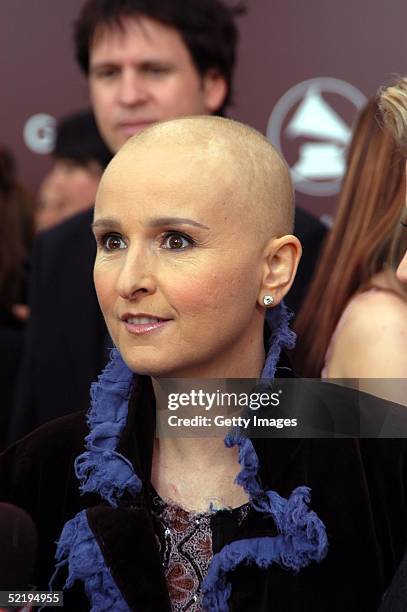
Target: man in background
column 145, row 61
column 79, row 158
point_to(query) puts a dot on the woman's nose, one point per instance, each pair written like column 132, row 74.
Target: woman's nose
column 136, row 277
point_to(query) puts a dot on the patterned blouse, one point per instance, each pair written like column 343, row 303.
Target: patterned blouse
column 185, row 543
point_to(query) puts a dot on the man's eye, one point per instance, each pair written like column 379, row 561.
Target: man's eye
column 176, row 241
column 156, row 70
column 112, row 242
column 105, row 73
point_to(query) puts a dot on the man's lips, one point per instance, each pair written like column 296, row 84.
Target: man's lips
column 143, row 323
column 132, row 127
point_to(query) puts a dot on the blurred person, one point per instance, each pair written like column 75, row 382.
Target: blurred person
column 353, row 323
column 16, row 234
column 145, row 61
column 80, row 156
column 393, row 105
column 393, row 102
column 190, row 521
column 402, row 268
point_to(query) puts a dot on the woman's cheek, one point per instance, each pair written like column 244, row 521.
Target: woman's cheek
column 202, row 292
column 104, row 287
column 192, row 294
column 107, row 298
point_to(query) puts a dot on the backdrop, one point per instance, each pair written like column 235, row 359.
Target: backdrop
column 304, row 69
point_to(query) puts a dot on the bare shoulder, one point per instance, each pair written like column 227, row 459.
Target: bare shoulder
column 372, row 339
column 377, row 309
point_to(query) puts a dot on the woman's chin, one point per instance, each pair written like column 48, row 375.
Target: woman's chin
column 148, row 361
column 155, row 368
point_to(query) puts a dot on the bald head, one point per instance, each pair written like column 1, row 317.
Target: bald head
column 193, row 220
column 235, row 161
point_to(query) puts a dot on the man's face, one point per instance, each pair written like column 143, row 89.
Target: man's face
column 143, row 73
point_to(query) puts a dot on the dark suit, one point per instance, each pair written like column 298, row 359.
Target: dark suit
column 66, row 340
column 64, row 349
column 11, row 342
column 311, row 233
column 395, row 599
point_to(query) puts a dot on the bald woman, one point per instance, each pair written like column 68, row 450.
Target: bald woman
column 193, row 222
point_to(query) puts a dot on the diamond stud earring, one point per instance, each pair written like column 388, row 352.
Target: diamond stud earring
column 268, row 300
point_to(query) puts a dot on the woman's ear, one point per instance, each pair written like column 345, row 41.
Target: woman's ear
column 281, row 259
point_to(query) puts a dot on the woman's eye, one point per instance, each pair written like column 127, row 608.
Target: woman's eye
column 113, row 242
column 176, row 241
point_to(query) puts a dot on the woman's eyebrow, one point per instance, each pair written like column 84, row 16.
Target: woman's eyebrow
column 112, row 223
column 107, row 222
column 158, row 222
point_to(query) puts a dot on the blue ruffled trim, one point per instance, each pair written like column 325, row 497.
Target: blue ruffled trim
column 302, row 535
column 78, row 549
column 287, row 552
column 281, row 336
column 101, row 469
column 302, row 539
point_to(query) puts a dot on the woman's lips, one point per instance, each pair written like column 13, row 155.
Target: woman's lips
column 144, row 325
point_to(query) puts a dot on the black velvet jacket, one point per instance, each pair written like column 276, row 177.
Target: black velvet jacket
column 358, row 491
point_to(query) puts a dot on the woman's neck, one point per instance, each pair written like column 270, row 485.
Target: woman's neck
column 387, row 281
column 197, row 473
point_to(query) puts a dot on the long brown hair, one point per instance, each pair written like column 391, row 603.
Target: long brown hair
column 16, row 231
column 362, row 240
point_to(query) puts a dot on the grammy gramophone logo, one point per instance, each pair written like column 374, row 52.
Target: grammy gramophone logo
column 39, row 133
column 311, row 126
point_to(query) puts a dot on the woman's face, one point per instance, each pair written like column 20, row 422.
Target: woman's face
column 178, row 268
column 402, row 269
column 69, row 188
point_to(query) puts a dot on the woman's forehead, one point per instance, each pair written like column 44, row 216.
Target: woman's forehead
column 170, row 182
column 230, row 173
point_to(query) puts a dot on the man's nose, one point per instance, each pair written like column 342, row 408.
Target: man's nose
column 132, row 89
column 137, row 275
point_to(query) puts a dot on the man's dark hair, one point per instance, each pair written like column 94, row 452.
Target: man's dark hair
column 78, row 139
column 206, row 26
